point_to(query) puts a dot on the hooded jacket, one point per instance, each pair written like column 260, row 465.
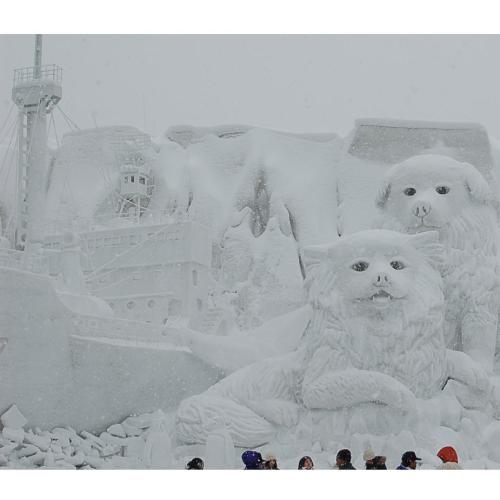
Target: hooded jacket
column 448, row 454
column 449, row 466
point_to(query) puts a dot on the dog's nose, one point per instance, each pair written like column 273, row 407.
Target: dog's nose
column 421, row 209
column 380, row 279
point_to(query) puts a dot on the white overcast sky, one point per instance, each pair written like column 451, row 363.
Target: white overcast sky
column 303, row 83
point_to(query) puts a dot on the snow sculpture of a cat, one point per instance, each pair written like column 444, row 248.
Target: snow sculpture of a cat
column 375, row 340
column 438, row 193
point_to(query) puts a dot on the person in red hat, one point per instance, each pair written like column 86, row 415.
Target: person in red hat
column 449, row 457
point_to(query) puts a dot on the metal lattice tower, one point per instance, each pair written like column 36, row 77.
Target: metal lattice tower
column 36, row 91
column 136, row 183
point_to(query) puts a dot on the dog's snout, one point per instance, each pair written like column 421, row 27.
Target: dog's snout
column 380, row 279
column 421, row 209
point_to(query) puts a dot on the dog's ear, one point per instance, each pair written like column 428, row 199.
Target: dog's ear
column 318, row 282
column 477, row 187
column 312, row 256
column 428, row 245
column 383, row 194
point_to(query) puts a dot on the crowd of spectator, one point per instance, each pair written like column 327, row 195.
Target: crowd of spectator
column 253, row 460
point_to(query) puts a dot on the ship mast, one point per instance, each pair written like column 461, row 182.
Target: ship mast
column 36, row 91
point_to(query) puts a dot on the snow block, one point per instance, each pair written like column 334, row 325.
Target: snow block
column 16, row 435
column 13, row 418
column 117, row 430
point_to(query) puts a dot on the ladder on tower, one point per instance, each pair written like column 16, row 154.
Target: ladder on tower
column 22, row 182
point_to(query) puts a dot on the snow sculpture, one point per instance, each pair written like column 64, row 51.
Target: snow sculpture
column 432, row 192
column 72, row 289
column 374, row 345
column 219, row 450
column 265, row 270
column 158, row 449
column 4, row 242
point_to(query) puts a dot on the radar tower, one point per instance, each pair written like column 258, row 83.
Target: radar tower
column 36, row 91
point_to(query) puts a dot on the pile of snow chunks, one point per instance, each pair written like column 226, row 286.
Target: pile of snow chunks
column 120, row 446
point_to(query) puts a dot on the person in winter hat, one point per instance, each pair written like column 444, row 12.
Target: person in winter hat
column 195, row 464
column 271, row 462
column 449, row 457
column 368, row 457
column 379, row 462
column 408, row 461
column 306, row 463
column 343, row 461
column 252, row 460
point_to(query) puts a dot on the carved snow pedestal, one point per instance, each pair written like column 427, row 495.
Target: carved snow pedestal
column 373, row 359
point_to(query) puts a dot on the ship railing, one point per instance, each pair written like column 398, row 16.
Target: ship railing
column 31, row 73
column 87, row 224
column 23, row 261
column 121, row 329
column 131, row 142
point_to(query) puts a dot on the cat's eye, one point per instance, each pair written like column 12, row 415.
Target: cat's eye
column 410, row 191
column 398, row 265
column 360, row 266
column 442, row 189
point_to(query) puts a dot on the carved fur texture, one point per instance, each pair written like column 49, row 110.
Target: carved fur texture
column 438, row 193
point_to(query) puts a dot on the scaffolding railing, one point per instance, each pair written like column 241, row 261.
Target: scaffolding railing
column 32, row 73
column 128, row 143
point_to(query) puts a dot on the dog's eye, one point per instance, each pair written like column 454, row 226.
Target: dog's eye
column 410, row 191
column 442, row 189
column 398, row 265
column 360, row 266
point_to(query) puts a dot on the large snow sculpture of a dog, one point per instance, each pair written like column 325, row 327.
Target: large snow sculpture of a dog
column 431, row 192
column 375, row 339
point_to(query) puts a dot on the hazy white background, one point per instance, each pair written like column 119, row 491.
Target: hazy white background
column 298, row 83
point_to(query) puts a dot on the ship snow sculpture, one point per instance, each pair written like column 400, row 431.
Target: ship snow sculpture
column 69, row 351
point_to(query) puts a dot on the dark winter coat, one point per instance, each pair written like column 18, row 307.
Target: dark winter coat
column 347, row 466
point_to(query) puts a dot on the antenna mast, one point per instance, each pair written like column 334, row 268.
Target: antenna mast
column 36, row 91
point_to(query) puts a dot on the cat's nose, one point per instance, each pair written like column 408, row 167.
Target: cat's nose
column 421, row 209
column 380, row 279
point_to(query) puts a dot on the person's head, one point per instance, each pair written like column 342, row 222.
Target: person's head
column 252, row 459
column 368, row 457
column 271, row 462
column 343, row 457
column 379, row 463
column 306, row 463
column 448, row 454
column 409, row 459
column 195, row 464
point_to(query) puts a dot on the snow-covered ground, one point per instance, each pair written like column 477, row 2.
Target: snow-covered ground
column 148, row 441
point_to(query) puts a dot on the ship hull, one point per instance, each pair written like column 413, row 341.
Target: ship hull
column 63, row 369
